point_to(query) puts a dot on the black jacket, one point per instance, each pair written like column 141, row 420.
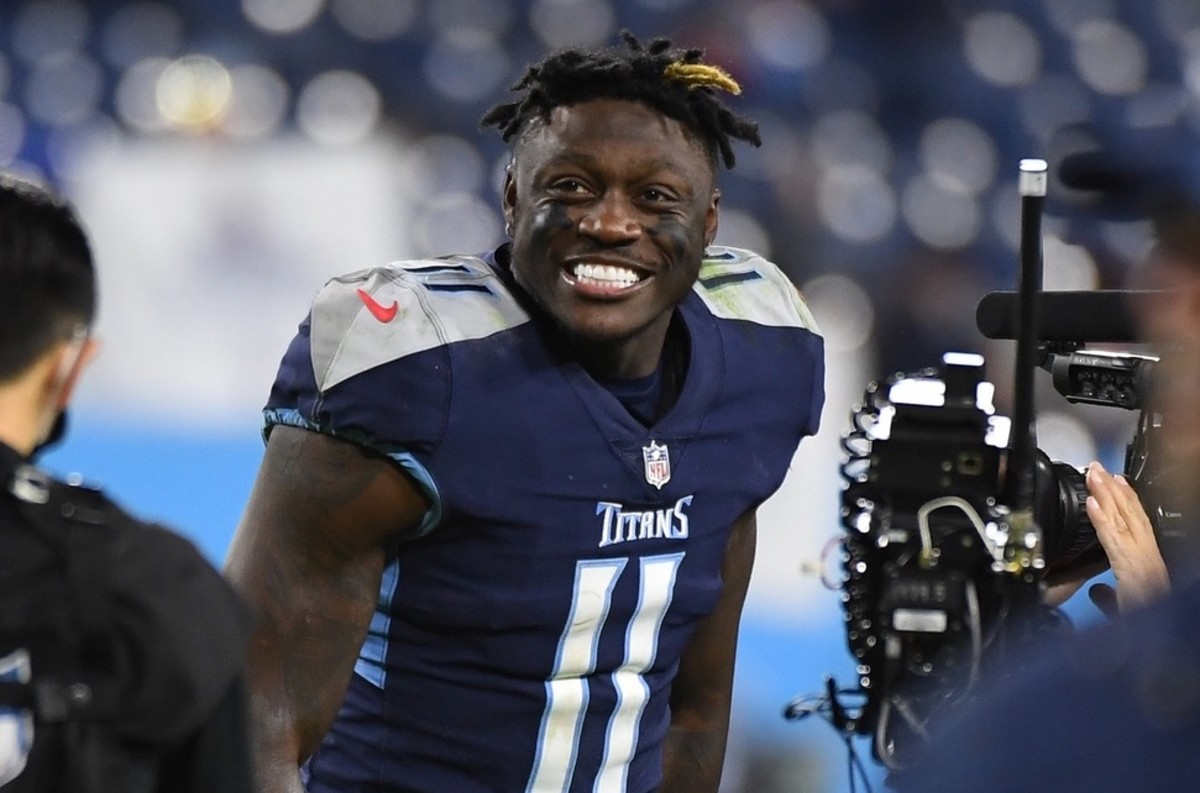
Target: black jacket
column 121, row 649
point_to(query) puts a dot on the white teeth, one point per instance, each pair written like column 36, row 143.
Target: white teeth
column 606, row 274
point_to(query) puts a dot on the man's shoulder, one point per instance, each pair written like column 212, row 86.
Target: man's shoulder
column 63, row 502
column 735, row 283
column 74, row 511
column 165, row 609
column 370, row 317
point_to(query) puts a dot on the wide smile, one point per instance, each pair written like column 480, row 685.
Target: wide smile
column 598, row 279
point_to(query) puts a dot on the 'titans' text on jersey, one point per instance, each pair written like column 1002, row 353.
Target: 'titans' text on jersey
column 528, row 638
column 622, row 525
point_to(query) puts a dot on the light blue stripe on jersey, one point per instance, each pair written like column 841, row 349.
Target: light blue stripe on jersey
column 293, row 418
column 370, row 664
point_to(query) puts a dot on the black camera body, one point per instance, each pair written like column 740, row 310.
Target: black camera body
column 924, row 540
column 942, row 576
column 953, row 518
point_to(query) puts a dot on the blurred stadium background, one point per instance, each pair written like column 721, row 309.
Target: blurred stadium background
column 230, row 155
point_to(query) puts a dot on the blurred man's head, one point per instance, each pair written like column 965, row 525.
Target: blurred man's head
column 1154, row 176
column 47, row 283
column 47, row 305
column 1146, row 175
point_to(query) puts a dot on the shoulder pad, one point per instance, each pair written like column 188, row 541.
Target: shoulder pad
column 739, row 284
column 371, row 317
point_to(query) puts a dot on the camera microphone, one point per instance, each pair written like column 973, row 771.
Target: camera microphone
column 1072, row 316
column 1102, row 172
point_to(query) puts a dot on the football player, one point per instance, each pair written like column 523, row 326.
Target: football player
column 505, row 520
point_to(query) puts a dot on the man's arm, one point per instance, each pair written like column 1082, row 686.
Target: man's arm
column 703, row 689
column 308, row 557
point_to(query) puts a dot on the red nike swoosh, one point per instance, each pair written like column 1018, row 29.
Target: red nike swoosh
column 381, row 313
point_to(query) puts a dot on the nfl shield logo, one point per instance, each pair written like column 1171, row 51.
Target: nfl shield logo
column 658, row 464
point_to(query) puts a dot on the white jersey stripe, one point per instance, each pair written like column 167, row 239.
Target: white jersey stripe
column 641, row 648
column 567, row 689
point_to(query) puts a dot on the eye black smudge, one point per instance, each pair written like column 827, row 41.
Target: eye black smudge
column 674, row 235
column 554, row 217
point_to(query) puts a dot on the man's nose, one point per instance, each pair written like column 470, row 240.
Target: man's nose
column 611, row 219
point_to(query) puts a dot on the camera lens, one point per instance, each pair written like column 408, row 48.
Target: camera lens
column 1061, row 511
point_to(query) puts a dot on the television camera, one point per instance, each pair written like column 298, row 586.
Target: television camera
column 953, row 517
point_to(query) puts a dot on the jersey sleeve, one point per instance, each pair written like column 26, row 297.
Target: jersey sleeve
column 373, row 361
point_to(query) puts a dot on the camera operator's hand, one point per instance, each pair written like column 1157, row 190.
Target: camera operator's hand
column 1125, row 532
column 1064, row 580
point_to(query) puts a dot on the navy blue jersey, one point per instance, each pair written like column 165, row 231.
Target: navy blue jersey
column 527, row 639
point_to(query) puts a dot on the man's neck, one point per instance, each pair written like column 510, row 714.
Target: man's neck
column 21, row 410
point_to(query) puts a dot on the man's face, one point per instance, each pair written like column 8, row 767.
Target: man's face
column 611, row 205
column 1172, row 326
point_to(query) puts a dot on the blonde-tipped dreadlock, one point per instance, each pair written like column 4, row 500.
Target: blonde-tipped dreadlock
column 701, row 75
column 671, row 80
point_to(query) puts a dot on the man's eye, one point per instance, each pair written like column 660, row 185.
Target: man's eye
column 569, row 186
column 656, row 195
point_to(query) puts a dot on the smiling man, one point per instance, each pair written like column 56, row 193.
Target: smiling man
column 504, row 524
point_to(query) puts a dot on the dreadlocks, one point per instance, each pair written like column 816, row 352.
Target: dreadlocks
column 671, row 80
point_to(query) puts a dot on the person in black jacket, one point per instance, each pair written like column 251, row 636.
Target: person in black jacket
column 121, row 647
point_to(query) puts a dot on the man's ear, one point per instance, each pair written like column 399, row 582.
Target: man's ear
column 73, row 358
column 1191, row 290
column 711, row 216
column 508, row 197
